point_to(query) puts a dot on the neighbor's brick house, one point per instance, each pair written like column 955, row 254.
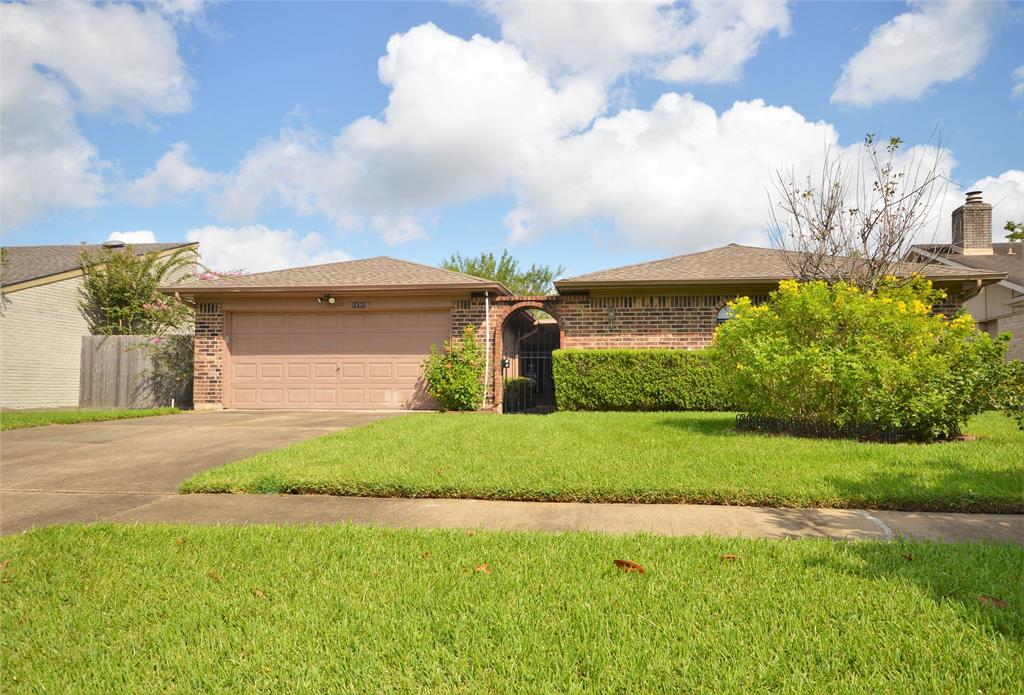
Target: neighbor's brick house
column 352, row 334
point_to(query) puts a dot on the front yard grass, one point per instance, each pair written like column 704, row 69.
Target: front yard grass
column 353, row 609
column 17, row 419
column 637, row 457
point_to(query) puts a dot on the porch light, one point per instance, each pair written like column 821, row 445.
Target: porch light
column 325, row 299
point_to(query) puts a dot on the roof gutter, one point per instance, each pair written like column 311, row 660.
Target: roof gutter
column 987, row 277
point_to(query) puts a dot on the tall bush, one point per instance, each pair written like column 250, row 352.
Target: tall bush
column 645, row 379
column 455, row 374
column 881, row 360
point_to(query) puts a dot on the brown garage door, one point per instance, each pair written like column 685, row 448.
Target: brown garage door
column 320, row 360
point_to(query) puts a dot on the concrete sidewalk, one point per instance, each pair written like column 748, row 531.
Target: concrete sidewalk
column 660, row 519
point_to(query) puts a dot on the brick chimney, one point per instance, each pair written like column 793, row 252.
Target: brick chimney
column 972, row 226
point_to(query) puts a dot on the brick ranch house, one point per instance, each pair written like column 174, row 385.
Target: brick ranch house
column 353, row 334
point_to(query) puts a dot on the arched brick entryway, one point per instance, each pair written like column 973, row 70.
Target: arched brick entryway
column 504, row 309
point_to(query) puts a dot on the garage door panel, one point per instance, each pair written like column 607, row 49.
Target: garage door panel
column 340, row 360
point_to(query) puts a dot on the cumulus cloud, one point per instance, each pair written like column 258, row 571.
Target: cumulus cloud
column 114, row 60
column 462, row 117
column 142, row 236
column 1005, row 193
column 255, row 248
column 471, row 118
column 933, row 43
column 173, row 176
column 1018, row 83
column 400, row 230
column 698, row 42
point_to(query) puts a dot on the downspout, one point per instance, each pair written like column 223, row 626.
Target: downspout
column 487, row 345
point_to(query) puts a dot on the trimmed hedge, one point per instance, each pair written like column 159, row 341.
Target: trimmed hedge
column 653, row 379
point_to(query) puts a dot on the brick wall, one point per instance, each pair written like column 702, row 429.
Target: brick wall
column 41, row 331
column 208, row 388
column 972, row 226
column 679, row 322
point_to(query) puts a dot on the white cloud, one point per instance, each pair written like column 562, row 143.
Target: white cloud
column 1005, row 193
column 933, row 43
column 702, row 41
column 400, row 230
column 472, row 118
column 173, row 176
column 462, row 117
column 676, row 176
column 255, row 248
column 142, row 236
column 114, row 60
column 1018, row 83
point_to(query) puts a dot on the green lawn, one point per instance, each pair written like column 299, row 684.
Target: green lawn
column 637, row 457
column 189, row 609
column 17, row 419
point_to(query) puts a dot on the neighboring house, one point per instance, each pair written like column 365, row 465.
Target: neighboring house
column 998, row 307
column 354, row 334
column 41, row 324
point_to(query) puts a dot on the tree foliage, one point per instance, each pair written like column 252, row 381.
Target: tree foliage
column 119, row 292
column 535, row 280
column 1015, row 230
column 856, row 219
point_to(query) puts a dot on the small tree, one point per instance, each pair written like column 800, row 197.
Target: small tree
column 1015, row 229
column 535, row 280
column 858, row 221
column 119, row 293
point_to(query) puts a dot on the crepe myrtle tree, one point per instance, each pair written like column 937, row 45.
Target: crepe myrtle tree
column 856, row 219
column 119, row 293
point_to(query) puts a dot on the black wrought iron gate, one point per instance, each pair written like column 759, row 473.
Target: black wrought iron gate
column 526, row 371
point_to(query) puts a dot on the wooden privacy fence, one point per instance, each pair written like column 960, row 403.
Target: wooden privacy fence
column 118, row 372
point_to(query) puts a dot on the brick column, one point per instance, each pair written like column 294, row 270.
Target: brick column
column 208, row 382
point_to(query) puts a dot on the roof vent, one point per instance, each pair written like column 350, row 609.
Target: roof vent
column 113, row 244
column 973, row 196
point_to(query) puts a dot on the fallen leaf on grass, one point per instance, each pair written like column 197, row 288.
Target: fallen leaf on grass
column 3, row 565
column 425, row 555
column 258, row 594
column 728, row 556
column 483, row 567
column 991, row 601
column 629, row 566
column 439, row 471
column 908, row 557
column 180, row 541
column 214, row 576
column 470, row 532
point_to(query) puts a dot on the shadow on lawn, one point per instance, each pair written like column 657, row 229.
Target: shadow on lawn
column 944, row 577
column 713, row 424
column 950, row 487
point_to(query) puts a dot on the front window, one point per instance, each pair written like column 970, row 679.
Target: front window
column 724, row 314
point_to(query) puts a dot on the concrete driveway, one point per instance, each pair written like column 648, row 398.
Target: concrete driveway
column 91, row 471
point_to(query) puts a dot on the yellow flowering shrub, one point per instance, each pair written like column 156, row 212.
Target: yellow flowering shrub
column 876, row 361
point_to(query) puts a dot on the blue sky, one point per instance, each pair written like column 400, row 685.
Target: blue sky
column 551, row 135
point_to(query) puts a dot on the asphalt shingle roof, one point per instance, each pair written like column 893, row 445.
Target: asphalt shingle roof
column 381, row 272
column 726, row 264
column 32, row 262
column 1001, row 260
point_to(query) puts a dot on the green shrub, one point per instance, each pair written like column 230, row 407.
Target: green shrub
column 655, row 379
column 1008, row 394
column 518, row 386
column 850, row 360
column 454, row 375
